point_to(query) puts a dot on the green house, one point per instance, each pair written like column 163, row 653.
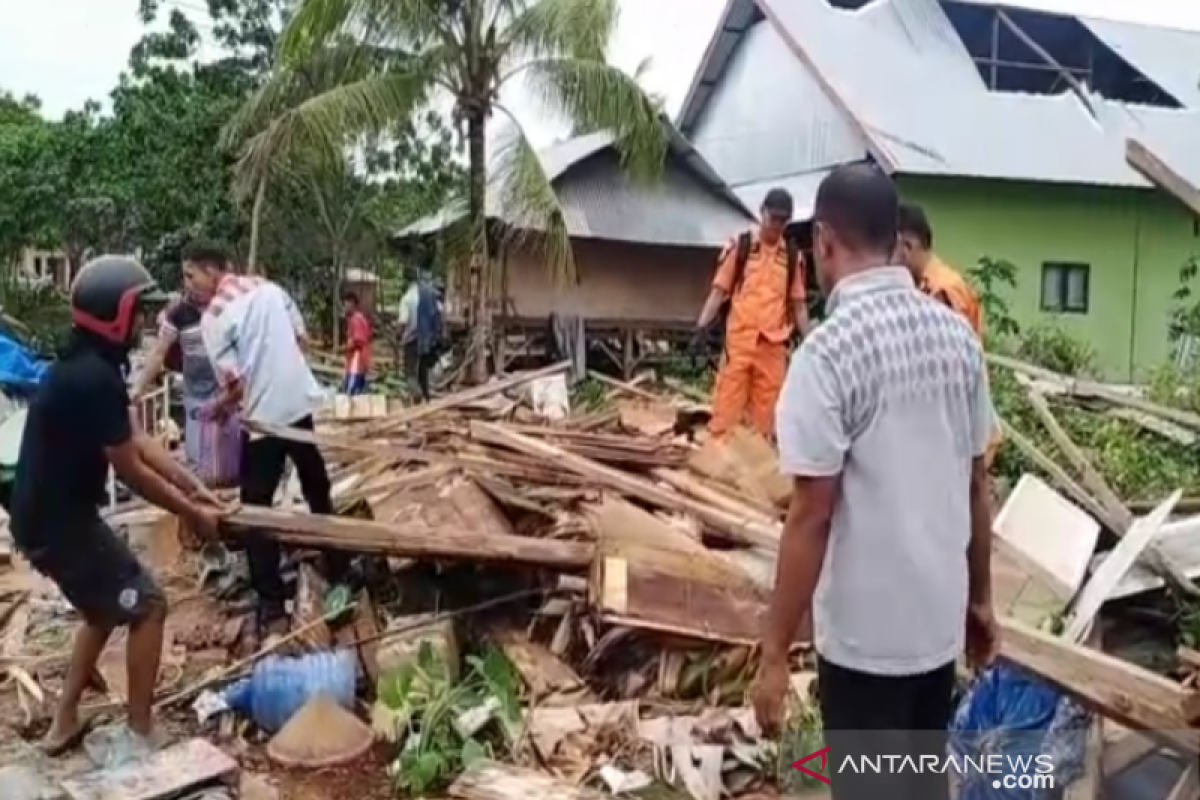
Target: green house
column 1010, row 126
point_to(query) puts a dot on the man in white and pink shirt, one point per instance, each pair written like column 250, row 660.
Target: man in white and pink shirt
column 254, row 334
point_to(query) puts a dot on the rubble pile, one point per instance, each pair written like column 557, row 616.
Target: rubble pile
column 565, row 605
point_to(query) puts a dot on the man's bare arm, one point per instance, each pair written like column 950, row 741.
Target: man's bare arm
column 152, row 368
column 979, row 550
column 162, row 462
column 801, row 553
column 132, row 468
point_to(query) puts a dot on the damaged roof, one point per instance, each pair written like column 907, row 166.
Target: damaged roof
column 690, row 207
column 908, row 94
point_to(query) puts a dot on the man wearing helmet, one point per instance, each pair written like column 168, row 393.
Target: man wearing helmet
column 79, row 424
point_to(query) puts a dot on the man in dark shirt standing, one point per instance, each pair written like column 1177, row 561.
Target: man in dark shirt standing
column 79, row 423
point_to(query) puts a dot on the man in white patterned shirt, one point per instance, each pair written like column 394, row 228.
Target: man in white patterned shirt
column 253, row 333
column 883, row 423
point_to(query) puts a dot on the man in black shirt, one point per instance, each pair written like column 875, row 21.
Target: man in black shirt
column 79, row 423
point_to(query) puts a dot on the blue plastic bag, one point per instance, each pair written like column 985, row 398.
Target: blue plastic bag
column 1012, row 714
column 281, row 685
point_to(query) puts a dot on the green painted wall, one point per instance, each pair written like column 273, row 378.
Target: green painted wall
column 1134, row 240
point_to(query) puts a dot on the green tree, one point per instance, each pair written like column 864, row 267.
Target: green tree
column 381, row 62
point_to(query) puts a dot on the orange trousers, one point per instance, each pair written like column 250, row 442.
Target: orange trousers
column 748, row 385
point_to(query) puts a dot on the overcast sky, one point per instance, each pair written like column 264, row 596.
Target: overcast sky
column 67, row 51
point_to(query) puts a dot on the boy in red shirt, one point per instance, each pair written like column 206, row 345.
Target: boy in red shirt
column 358, row 346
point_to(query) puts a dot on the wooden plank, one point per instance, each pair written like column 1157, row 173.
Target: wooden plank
column 1163, row 176
column 1100, row 587
column 747, row 531
column 165, row 775
column 632, row 594
column 547, row 677
column 491, row 780
column 626, row 531
column 468, row 396
column 1121, row 691
column 414, row 538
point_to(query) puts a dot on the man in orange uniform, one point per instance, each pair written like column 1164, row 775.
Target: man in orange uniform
column 914, row 245
column 760, row 285
column 914, row 248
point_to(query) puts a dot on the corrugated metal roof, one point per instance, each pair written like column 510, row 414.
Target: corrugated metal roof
column 1168, row 57
column 690, row 206
column 912, row 87
column 1171, row 134
column 600, row 202
column 751, row 130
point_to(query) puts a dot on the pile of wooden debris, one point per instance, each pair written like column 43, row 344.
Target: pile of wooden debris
column 619, row 562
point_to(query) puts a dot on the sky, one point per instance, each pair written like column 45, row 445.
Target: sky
column 69, row 51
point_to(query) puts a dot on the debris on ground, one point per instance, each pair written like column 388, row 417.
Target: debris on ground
column 566, row 604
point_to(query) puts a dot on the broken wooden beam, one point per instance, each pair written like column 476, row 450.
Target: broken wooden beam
column 413, row 539
column 468, row 396
column 748, row 531
column 1121, row 691
column 626, row 531
column 1084, row 388
column 633, row 595
column 1162, row 175
column 1118, row 518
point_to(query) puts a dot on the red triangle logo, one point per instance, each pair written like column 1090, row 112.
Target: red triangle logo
column 821, row 754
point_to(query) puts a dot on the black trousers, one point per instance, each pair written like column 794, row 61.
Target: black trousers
column 417, row 366
column 871, row 716
column 263, row 461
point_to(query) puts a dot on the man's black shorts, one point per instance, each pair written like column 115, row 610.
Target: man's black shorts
column 99, row 575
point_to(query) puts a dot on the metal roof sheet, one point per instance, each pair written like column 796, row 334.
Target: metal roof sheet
column 750, row 130
column 690, row 206
column 1168, row 57
column 910, row 86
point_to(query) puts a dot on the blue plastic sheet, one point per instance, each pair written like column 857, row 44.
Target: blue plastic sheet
column 20, row 369
column 281, row 685
column 1010, row 713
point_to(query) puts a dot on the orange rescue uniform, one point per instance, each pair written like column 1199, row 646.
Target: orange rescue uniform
column 945, row 284
column 757, row 332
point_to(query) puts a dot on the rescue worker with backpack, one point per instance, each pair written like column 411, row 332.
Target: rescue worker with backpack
column 759, row 291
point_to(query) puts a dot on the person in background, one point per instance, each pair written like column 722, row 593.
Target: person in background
column 253, row 334
column 211, row 444
column 914, row 243
column 914, row 249
column 80, row 424
column 883, row 424
column 760, row 284
column 358, row 346
column 420, row 321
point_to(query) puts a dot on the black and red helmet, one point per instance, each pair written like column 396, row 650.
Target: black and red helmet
column 106, row 294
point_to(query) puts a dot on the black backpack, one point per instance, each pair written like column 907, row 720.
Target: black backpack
column 745, row 245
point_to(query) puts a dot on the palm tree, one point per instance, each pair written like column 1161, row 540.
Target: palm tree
column 388, row 59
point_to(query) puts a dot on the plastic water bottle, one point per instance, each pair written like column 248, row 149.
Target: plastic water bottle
column 281, row 685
